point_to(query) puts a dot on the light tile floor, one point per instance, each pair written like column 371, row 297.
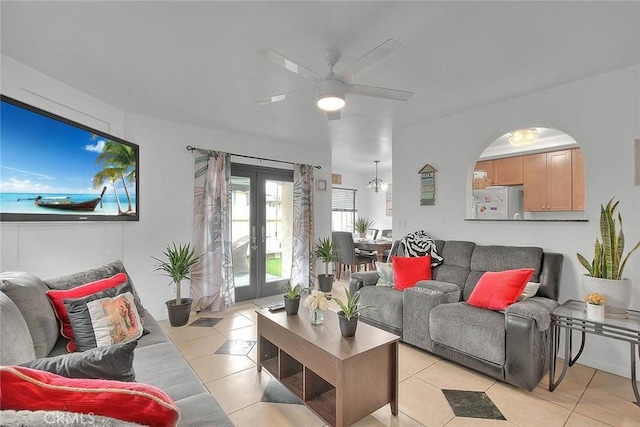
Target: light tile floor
column 586, row 397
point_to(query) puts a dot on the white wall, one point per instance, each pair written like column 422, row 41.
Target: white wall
column 165, row 193
column 601, row 113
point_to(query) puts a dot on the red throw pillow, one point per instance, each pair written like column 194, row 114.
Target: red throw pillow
column 57, row 298
column 409, row 271
column 34, row 390
column 496, row 290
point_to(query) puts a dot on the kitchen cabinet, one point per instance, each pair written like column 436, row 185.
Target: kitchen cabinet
column 577, row 179
column 509, row 171
column 506, row 171
column 487, row 166
column 548, row 181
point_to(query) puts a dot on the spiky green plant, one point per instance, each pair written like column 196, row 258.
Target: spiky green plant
column 607, row 261
column 351, row 308
column 326, row 251
column 290, row 291
column 178, row 263
column 362, row 224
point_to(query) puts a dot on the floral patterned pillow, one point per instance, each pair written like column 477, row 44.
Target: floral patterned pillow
column 385, row 274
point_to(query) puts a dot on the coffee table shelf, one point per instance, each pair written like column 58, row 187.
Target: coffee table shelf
column 340, row 379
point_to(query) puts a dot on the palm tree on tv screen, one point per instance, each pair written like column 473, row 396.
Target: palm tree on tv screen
column 118, row 159
column 111, row 175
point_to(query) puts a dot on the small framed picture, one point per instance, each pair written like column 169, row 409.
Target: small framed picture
column 322, row 185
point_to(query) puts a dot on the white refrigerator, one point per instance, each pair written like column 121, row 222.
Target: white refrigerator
column 499, row 202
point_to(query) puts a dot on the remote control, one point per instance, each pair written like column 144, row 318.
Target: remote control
column 276, row 307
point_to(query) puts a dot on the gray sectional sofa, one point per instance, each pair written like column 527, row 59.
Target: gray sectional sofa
column 510, row 345
column 29, row 330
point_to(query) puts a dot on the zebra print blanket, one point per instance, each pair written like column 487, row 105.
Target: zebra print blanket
column 419, row 243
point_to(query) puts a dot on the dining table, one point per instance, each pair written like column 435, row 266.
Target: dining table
column 373, row 245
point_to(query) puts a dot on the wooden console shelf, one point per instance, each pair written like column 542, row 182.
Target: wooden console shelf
column 340, row 379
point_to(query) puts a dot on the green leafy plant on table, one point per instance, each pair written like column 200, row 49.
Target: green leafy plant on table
column 607, row 261
column 351, row 308
column 362, row 224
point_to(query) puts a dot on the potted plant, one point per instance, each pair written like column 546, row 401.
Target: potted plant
column 605, row 271
column 291, row 298
column 177, row 265
column 595, row 306
column 350, row 312
column 326, row 251
column 362, row 224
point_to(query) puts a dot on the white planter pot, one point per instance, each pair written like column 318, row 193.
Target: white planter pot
column 595, row 312
column 617, row 293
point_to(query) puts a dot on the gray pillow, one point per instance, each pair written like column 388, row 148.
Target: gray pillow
column 80, row 319
column 28, row 292
column 83, row 277
column 16, row 345
column 113, row 362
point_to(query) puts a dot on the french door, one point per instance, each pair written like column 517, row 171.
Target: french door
column 262, row 225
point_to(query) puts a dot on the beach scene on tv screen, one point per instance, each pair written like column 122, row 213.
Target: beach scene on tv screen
column 49, row 167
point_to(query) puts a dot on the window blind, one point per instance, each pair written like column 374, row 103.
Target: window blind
column 344, row 199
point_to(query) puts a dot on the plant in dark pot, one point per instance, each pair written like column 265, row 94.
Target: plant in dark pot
column 350, row 312
column 177, row 265
column 605, row 271
column 326, row 251
column 291, row 298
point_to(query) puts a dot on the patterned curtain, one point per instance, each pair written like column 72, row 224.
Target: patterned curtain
column 303, row 267
column 212, row 286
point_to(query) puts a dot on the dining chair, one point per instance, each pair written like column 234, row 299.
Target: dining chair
column 386, row 235
column 343, row 240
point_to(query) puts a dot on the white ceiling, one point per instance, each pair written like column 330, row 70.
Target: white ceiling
column 196, row 62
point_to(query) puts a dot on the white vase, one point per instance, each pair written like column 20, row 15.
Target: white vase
column 595, row 312
column 617, row 293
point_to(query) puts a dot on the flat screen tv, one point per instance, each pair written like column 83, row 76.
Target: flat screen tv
column 54, row 169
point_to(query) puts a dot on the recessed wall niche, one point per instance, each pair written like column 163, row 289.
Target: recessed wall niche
column 529, row 174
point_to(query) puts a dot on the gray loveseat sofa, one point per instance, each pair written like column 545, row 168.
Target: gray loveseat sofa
column 29, row 329
column 511, row 346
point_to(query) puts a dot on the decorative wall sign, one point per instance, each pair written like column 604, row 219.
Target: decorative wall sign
column 336, row 178
column 427, row 185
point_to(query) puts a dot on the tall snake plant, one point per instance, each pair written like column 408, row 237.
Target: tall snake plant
column 608, row 253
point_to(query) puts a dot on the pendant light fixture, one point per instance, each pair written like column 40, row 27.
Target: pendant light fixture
column 523, row 137
column 377, row 184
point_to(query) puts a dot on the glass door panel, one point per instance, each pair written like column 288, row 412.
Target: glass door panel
column 262, row 229
column 278, row 234
column 241, row 236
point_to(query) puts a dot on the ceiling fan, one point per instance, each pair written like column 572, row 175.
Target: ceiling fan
column 333, row 87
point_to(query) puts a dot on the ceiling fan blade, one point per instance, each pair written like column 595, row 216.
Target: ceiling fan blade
column 279, row 97
column 379, row 92
column 372, row 58
column 288, row 64
column 333, row 115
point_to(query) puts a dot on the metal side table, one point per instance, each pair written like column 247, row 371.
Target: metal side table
column 571, row 316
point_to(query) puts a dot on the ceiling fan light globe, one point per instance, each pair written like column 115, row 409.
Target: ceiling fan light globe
column 330, row 102
column 330, row 95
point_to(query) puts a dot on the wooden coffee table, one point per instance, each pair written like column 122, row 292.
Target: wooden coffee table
column 340, row 379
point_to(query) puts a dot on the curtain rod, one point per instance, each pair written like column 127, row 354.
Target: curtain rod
column 190, row 148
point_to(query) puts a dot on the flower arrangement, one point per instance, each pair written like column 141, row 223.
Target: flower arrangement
column 316, row 301
column 595, row 299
